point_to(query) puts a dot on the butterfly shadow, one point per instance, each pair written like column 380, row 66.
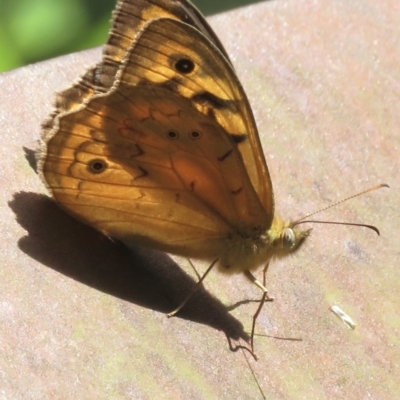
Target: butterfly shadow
column 144, row 277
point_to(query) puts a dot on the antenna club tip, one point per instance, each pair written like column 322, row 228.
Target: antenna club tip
column 384, row 185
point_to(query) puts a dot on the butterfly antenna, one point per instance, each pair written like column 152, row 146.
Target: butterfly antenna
column 304, row 220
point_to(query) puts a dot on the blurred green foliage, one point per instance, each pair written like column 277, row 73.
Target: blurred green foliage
column 34, row 30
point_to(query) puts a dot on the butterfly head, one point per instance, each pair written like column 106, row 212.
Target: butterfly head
column 286, row 237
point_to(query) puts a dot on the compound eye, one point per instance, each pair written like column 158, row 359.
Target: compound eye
column 288, row 238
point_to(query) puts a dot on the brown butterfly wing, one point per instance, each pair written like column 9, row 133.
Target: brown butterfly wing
column 148, row 168
column 212, row 87
column 129, row 19
column 112, row 165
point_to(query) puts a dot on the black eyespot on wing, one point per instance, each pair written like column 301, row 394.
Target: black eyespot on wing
column 172, row 135
column 195, row 135
column 184, row 65
column 97, row 166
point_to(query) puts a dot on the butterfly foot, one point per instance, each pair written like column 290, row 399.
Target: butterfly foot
column 173, row 313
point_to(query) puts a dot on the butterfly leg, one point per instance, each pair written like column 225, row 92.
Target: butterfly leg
column 194, row 268
column 264, row 298
column 265, row 274
column 174, row 312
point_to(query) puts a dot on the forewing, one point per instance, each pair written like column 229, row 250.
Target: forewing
column 212, row 87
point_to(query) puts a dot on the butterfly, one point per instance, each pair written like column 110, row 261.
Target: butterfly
column 157, row 146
